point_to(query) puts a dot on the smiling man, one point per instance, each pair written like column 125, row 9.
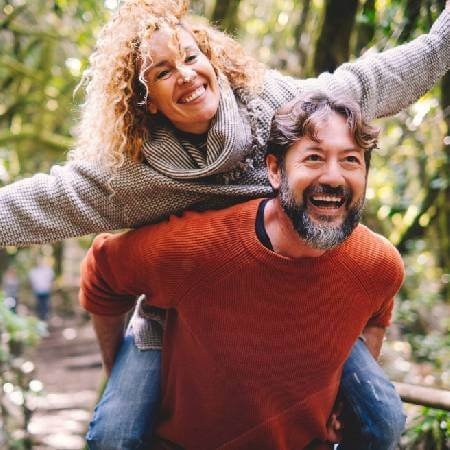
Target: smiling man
column 265, row 299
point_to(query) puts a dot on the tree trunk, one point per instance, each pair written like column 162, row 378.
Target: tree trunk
column 225, row 15
column 332, row 47
column 444, row 209
column 412, row 13
column 299, row 29
column 366, row 29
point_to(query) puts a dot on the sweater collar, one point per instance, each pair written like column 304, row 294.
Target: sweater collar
column 228, row 143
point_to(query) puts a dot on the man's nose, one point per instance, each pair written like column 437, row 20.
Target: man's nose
column 186, row 74
column 332, row 174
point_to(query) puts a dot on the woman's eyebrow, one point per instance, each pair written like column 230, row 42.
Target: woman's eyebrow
column 164, row 62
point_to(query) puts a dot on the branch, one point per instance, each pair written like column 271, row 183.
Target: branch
column 36, row 32
column 425, row 396
column 50, row 140
column 19, row 68
column 415, row 229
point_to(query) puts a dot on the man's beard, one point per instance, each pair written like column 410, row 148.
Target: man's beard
column 320, row 234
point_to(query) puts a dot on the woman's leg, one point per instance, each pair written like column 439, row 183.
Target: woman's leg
column 125, row 415
column 373, row 400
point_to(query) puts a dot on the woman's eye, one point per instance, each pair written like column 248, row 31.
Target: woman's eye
column 352, row 159
column 313, row 158
column 163, row 74
column 190, row 58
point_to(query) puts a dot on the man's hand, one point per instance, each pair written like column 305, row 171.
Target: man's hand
column 334, row 424
column 109, row 331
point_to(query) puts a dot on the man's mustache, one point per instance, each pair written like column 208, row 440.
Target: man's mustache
column 325, row 189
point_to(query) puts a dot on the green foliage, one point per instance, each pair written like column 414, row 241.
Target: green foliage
column 18, row 389
column 45, row 45
column 428, row 431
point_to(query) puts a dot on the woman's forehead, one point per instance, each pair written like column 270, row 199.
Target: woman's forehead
column 170, row 43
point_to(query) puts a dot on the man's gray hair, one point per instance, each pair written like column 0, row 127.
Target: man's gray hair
column 304, row 114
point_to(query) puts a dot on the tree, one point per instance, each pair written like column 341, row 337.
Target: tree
column 333, row 45
column 225, row 15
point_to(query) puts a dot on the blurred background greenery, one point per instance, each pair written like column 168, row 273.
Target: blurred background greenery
column 44, row 48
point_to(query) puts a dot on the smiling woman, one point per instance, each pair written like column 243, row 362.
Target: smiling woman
column 182, row 84
column 148, row 56
column 177, row 116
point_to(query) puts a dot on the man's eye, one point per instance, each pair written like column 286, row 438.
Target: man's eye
column 190, row 59
column 163, row 74
column 313, row 158
column 352, row 159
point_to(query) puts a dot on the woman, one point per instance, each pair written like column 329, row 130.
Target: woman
column 179, row 120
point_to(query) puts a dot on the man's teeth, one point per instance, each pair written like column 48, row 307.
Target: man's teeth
column 327, row 201
column 324, row 198
column 193, row 95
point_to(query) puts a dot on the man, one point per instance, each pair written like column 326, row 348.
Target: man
column 265, row 299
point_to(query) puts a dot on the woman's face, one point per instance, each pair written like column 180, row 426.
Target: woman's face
column 182, row 85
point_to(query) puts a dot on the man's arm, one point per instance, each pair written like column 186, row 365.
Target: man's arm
column 109, row 332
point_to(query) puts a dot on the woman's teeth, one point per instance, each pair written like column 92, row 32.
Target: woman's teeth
column 193, row 95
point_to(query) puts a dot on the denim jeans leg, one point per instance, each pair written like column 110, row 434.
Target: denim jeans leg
column 374, row 402
column 43, row 305
column 124, row 417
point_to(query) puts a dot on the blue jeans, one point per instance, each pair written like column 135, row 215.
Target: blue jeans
column 374, row 414
column 125, row 416
column 42, row 305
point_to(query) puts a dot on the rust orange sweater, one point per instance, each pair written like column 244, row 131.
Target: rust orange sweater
column 255, row 341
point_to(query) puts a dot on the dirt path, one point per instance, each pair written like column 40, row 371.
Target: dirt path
column 68, row 364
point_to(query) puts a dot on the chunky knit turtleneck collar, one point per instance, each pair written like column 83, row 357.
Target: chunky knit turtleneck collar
column 228, row 143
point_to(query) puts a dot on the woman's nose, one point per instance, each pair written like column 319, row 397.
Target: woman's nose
column 186, row 74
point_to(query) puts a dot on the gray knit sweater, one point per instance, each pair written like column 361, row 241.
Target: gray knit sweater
column 75, row 199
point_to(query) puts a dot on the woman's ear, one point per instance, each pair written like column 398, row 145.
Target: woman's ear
column 273, row 171
column 151, row 107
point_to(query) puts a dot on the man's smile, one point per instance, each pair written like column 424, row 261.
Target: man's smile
column 327, row 201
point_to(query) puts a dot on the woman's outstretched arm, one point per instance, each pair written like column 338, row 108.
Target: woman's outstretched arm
column 385, row 83
column 73, row 200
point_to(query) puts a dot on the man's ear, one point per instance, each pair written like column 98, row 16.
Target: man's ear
column 273, row 171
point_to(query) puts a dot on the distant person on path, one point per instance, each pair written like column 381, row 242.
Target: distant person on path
column 41, row 279
column 11, row 286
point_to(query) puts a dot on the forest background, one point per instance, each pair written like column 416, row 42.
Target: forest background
column 44, row 48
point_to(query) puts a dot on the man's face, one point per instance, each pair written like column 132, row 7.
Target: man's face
column 322, row 184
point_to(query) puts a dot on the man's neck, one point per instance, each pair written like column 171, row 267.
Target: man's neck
column 285, row 240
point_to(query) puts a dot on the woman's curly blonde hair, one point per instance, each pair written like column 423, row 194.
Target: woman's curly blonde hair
column 114, row 118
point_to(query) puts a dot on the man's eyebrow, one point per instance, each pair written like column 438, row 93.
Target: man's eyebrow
column 353, row 149
column 314, row 147
column 346, row 150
